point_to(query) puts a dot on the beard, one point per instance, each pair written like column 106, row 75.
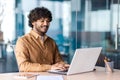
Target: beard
column 41, row 29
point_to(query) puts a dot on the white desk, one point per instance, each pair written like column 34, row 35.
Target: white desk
column 99, row 74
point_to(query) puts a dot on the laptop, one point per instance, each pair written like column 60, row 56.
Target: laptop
column 84, row 60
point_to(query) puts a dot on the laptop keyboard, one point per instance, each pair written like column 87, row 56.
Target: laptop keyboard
column 62, row 70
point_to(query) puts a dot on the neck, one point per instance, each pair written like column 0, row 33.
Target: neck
column 41, row 34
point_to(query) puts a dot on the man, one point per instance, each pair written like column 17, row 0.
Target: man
column 36, row 51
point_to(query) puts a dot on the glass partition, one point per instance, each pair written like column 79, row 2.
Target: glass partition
column 76, row 24
column 97, row 22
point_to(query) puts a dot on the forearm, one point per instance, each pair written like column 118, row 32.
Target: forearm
column 33, row 67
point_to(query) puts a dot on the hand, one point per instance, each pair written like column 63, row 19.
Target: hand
column 60, row 66
column 66, row 65
column 56, row 66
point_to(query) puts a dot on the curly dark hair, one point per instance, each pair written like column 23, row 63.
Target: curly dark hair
column 38, row 13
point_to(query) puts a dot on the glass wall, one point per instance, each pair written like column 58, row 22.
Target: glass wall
column 97, row 22
column 7, row 19
column 76, row 24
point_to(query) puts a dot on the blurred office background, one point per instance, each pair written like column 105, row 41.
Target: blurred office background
column 76, row 24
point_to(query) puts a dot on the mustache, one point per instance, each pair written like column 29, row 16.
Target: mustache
column 45, row 26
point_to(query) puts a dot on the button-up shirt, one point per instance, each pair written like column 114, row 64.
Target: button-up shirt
column 34, row 54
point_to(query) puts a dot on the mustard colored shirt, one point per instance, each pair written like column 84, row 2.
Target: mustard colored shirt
column 34, row 54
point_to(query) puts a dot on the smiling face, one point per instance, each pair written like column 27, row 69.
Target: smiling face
column 41, row 26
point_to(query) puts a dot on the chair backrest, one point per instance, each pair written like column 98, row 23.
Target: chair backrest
column 16, row 65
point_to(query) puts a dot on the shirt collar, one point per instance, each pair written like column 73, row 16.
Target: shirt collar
column 37, row 35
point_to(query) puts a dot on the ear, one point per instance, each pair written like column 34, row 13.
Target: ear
column 33, row 23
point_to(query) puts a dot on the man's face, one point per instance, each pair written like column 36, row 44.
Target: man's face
column 41, row 25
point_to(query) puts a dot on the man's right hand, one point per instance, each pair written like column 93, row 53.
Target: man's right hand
column 59, row 66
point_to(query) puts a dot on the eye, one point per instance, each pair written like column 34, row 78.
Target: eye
column 41, row 20
column 48, row 21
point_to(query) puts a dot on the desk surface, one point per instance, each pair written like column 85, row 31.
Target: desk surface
column 99, row 74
